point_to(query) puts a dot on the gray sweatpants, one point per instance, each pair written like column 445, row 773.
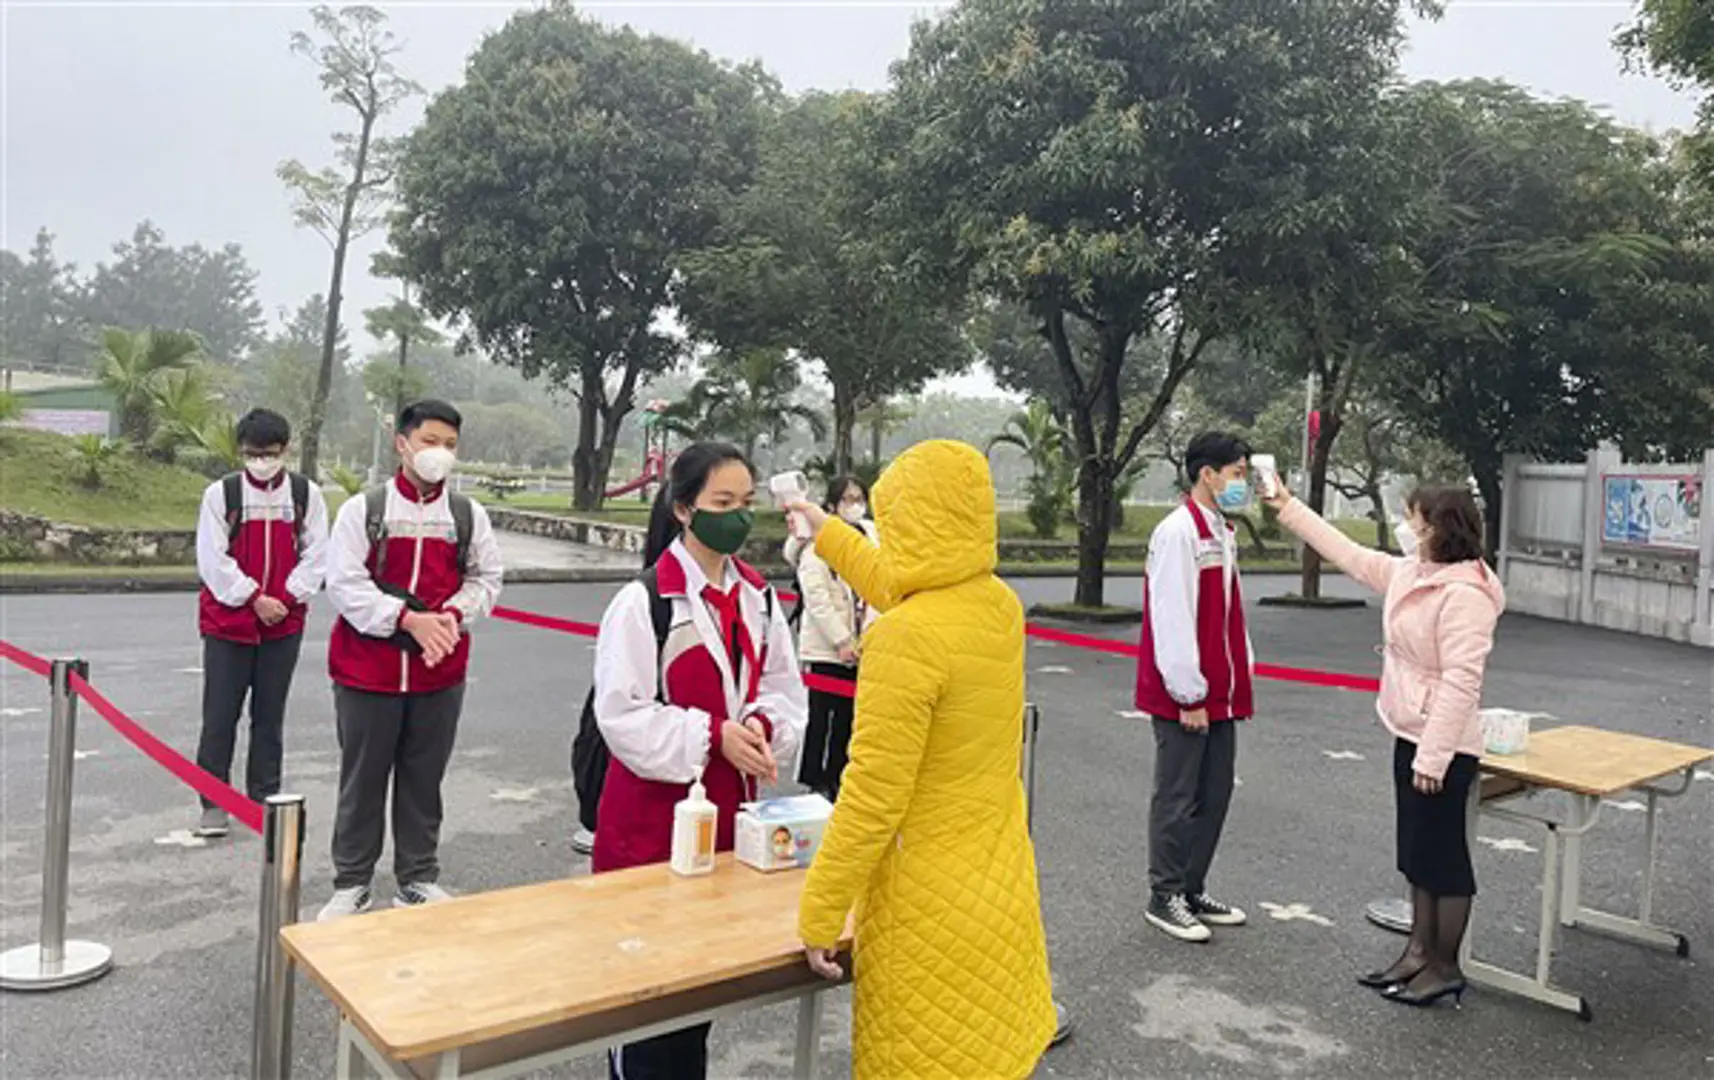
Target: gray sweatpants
column 1193, row 790
column 406, row 738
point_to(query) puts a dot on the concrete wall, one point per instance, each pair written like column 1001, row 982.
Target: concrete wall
column 1557, row 562
column 25, row 537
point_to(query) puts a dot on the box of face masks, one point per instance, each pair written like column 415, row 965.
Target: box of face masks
column 783, row 833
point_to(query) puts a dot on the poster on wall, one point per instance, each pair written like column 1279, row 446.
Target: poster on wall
column 1653, row 511
column 67, row 421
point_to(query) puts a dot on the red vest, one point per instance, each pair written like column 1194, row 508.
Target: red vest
column 266, row 549
column 1223, row 645
column 635, row 819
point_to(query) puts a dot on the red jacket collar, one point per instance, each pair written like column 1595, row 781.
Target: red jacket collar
column 409, row 490
column 671, row 579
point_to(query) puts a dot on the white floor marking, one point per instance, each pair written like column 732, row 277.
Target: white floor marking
column 1131, row 714
column 1506, row 844
column 1630, row 806
column 1269, row 1039
column 1295, row 913
column 11, row 711
column 1342, row 755
column 182, row 838
column 507, row 794
column 1053, row 669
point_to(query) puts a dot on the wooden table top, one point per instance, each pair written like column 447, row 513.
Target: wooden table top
column 1592, row 761
column 418, row 981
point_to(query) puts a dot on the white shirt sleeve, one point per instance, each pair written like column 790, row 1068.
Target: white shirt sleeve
column 214, row 562
column 1173, row 579
column 481, row 589
column 781, row 696
column 655, row 741
column 349, row 584
column 306, row 578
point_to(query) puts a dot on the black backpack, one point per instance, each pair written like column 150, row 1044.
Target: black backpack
column 375, row 525
column 232, row 489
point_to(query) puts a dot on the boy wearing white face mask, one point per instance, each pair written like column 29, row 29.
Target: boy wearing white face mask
column 411, row 566
column 1194, row 679
column 261, row 540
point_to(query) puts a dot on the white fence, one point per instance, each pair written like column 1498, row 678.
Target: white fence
column 1603, row 543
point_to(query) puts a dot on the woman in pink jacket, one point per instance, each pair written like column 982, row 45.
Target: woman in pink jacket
column 1442, row 603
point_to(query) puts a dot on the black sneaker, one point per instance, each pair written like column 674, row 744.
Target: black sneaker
column 1172, row 916
column 1214, row 913
column 418, row 893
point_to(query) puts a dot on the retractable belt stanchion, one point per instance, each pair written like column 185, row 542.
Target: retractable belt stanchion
column 53, row 962
column 282, row 857
column 1394, row 915
column 1032, row 728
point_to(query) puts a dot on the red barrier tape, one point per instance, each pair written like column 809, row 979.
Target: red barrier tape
column 546, row 622
column 28, row 661
column 246, row 811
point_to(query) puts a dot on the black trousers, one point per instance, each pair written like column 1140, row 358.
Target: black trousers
column 231, row 672
column 405, row 738
column 1194, row 775
column 677, row 1055
column 827, row 738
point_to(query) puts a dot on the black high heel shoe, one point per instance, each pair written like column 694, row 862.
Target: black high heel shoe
column 1402, row 994
column 1381, row 980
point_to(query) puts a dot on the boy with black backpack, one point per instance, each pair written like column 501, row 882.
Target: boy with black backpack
column 261, row 542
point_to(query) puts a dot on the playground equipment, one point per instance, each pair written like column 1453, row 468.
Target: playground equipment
column 655, row 456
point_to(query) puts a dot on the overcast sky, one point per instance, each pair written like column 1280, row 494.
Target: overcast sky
column 180, row 112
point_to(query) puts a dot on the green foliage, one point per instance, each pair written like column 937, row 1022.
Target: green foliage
column 1117, row 171
column 743, row 397
column 1676, row 39
column 134, row 366
column 11, row 407
column 45, row 477
column 41, row 322
column 1051, row 486
column 569, row 282
column 800, row 263
column 347, row 481
column 95, row 453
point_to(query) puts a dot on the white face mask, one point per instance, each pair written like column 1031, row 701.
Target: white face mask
column 264, row 469
column 854, row 512
column 433, row 464
column 1407, row 538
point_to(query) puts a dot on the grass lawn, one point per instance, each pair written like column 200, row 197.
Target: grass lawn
column 40, row 474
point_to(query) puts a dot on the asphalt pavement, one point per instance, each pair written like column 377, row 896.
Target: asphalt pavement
column 1307, row 846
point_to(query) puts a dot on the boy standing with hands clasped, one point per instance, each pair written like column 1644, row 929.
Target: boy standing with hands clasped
column 1194, row 679
column 411, row 565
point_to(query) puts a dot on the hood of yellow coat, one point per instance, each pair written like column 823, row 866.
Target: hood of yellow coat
column 934, row 507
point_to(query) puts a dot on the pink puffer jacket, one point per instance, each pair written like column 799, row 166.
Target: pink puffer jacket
column 1439, row 629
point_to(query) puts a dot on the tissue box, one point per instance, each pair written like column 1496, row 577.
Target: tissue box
column 1505, row 731
column 781, row 834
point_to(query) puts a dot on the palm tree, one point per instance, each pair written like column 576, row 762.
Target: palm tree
column 744, row 396
column 1053, row 482
column 882, row 417
column 133, row 365
column 95, row 453
column 181, row 411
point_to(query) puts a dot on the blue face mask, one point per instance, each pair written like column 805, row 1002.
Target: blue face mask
column 1234, row 496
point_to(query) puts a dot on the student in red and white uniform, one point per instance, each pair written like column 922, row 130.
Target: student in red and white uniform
column 398, row 657
column 1194, row 678
column 259, row 566
column 722, row 698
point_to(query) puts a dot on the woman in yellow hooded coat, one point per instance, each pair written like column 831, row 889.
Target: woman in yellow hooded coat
column 929, row 843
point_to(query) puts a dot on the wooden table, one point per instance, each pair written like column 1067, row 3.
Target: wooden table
column 1589, row 765
column 505, row 982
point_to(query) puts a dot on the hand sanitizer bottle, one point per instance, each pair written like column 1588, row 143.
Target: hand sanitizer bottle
column 693, row 832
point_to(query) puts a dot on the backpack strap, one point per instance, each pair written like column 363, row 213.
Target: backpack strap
column 300, row 505
column 375, row 525
column 232, row 489
column 463, row 524
column 661, row 618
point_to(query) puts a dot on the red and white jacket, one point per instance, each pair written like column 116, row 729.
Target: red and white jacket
column 658, row 747
column 262, row 559
column 422, row 558
column 1196, row 651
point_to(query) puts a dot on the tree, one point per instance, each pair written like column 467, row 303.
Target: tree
column 96, row 454
column 799, row 263
column 405, row 323
column 544, row 201
column 882, row 417
column 1116, row 170
column 1563, row 295
column 1675, row 38
column 355, row 55
column 39, row 299
column 212, row 294
column 183, row 411
column 133, row 366
column 1038, row 434
column 744, row 397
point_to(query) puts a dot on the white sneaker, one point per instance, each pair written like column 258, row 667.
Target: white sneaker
column 350, row 901
column 583, row 842
column 418, row 893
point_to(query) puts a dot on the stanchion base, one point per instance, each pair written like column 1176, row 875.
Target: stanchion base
column 85, row 961
column 1391, row 915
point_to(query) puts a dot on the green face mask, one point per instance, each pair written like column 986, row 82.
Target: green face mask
column 723, row 531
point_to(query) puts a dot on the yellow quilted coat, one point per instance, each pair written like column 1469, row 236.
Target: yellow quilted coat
column 928, row 841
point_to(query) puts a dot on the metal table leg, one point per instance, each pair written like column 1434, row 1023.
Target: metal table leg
column 1641, row 929
column 807, row 1056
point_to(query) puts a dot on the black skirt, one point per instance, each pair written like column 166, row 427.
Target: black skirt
column 1434, row 848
